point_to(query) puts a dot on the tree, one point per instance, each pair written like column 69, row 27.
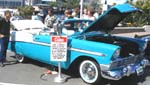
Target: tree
column 145, row 6
column 53, row 4
column 144, row 18
column 69, row 3
column 26, row 11
column 139, row 19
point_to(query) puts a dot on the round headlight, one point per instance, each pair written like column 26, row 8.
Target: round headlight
column 116, row 54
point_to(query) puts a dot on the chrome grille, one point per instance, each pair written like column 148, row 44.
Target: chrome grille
column 126, row 61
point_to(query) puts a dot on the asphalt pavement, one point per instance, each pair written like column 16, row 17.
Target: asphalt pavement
column 29, row 73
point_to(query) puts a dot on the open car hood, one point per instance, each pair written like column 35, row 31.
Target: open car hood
column 107, row 21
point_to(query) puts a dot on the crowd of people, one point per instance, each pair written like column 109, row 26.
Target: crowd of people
column 51, row 17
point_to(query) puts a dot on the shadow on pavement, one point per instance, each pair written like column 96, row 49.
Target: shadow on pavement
column 131, row 80
column 10, row 61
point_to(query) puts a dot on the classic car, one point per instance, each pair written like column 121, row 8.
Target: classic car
column 147, row 39
column 91, row 49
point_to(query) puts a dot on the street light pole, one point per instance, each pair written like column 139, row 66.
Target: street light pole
column 81, row 8
column 30, row 2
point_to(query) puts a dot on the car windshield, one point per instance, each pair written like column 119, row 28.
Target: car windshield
column 72, row 26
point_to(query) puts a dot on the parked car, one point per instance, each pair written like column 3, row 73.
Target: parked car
column 94, row 52
column 145, row 38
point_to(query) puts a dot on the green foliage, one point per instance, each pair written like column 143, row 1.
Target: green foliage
column 140, row 19
column 53, row 4
column 71, row 3
column 26, row 11
column 145, row 6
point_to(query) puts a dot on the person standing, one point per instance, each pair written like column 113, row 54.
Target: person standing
column 85, row 14
column 76, row 13
column 50, row 19
column 4, row 36
column 91, row 14
column 68, row 14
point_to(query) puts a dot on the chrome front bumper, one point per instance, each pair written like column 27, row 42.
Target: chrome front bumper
column 117, row 74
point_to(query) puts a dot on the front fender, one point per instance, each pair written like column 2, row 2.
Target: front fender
column 100, row 52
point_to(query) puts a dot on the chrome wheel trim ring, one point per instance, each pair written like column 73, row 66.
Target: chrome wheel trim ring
column 19, row 58
column 88, row 71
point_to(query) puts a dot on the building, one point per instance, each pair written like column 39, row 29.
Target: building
column 11, row 3
column 32, row 2
column 47, row 1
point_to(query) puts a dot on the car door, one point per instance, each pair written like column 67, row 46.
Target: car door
column 41, row 47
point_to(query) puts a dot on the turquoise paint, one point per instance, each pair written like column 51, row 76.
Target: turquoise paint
column 42, row 52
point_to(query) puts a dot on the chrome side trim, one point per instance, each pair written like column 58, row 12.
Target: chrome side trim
column 73, row 49
column 88, row 52
column 46, row 44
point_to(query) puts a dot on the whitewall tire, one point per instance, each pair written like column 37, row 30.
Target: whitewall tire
column 90, row 71
column 19, row 58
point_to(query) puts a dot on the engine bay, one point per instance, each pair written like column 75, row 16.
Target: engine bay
column 127, row 47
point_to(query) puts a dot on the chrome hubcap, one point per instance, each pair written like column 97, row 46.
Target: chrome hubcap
column 89, row 71
column 19, row 58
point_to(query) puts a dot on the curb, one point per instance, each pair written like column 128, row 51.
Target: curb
column 118, row 30
column 147, row 28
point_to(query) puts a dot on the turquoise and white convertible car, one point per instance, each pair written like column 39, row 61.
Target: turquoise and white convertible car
column 92, row 50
